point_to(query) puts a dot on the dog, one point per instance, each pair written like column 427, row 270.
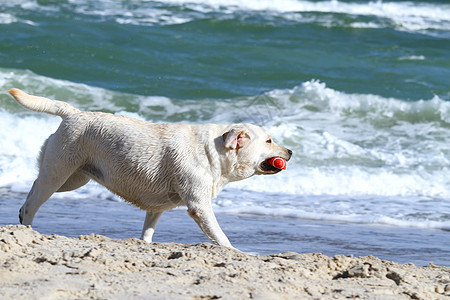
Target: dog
column 153, row 166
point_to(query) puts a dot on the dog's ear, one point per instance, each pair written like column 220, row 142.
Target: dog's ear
column 235, row 138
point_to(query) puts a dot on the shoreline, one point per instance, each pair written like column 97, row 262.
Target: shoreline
column 35, row 265
column 72, row 217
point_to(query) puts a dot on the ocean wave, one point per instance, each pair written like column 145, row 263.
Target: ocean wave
column 412, row 16
column 334, row 217
column 309, row 99
column 81, row 95
column 404, row 15
column 6, row 18
column 344, row 144
column 417, row 212
column 354, row 180
column 357, row 144
column 315, row 96
column 21, row 139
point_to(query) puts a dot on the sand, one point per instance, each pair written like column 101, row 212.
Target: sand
column 37, row 266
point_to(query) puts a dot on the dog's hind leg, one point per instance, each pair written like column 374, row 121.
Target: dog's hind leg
column 42, row 189
column 54, row 173
column 75, row 181
column 151, row 218
column 22, row 209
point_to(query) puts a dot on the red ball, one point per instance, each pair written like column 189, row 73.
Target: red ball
column 277, row 162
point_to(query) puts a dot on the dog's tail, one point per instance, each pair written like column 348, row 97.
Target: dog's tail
column 42, row 104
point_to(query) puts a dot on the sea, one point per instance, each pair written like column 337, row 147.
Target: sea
column 358, row 90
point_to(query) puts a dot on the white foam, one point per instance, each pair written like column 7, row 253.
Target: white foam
column 404, row 15
column 333, row 216
column 412, row 57
column 21, row 141
column 351, row 181
column 366, row 25
column 6, row 18
column 413, row 16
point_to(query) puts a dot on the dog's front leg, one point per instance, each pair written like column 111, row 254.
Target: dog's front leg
column 204, row 216
column 151, row 218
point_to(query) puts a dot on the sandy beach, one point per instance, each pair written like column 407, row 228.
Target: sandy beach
column 37, row 266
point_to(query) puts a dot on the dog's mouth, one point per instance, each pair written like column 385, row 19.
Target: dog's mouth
column 267, row 168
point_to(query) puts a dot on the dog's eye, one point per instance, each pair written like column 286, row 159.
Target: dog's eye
column 269, row 141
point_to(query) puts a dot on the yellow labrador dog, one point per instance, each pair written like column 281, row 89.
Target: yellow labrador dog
column 154, row 166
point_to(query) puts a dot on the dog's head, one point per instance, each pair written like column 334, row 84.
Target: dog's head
column 252, row 147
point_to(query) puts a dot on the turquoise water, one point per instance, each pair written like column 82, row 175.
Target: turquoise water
column 192, row 50
column 358, row 90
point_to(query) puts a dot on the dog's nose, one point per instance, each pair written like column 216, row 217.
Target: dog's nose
column 289, row 152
